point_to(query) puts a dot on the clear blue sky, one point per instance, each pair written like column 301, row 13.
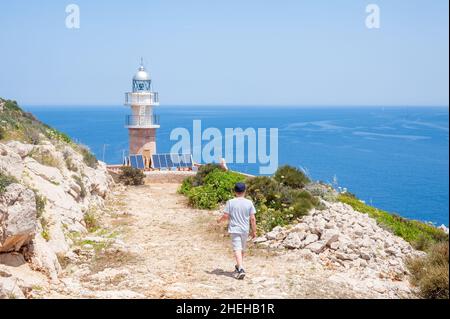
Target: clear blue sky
column 312, row 52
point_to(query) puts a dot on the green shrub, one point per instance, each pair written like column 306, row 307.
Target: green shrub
column 88, row 158
column 287, row 206
column 431, row 273
column 204, row 197
column 5, row 181
column 91, row 220
column 41, row 202
column 291, row 177
column 131, row 176
column 262, row 189
column 210, row 186
column 223, row 183
column 277, row 204
column 322, row 190
column 204, row 171
column 79, row 181
column 2, row 133
column 44, row 157
column 69, row 162
column 187, row 185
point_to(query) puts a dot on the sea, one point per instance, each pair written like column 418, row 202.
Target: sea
column 394, row 158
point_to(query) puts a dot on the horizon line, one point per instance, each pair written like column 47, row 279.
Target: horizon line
column 247, row 105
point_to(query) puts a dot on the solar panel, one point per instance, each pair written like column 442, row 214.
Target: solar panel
column 155, row 161
column 168, row 161
column 140, row 161
column 163, row 159
column 188, row 160
column 175, row 159
column 133, row 161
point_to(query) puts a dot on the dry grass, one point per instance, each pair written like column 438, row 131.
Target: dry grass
column 431, row 273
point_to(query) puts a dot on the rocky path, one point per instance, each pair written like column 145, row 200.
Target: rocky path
column 163, row 249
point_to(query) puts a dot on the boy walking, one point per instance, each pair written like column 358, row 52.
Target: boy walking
column 240, row 212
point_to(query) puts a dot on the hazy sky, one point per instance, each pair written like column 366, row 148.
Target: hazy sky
column 312, row 52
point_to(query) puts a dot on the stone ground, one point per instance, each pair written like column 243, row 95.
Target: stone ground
column 179, row 252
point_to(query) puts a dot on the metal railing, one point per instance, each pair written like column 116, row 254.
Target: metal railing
column 141, row 120
column 148, row 98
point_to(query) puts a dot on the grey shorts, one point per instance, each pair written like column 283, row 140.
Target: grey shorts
column 239, row 241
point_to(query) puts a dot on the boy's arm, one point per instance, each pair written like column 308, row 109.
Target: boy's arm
column 253, row 221
column 253, row 224
column 226, row 213
column 223, row 218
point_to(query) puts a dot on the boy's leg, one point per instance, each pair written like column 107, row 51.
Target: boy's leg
column 237, row 249
column 244, row 246
column 238, row 256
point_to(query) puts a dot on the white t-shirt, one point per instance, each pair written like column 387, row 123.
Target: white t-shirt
column 239, row 209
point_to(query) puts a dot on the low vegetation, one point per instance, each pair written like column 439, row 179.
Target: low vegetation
column 131, row 176
column 5, row 181
column 431, row 273
column 91, row 221
column 79, row 181
column 88, row 157
column 210, row 187
column 291, row 177
column 17, row 125
column 44, row 157
column 277, row 203
column 279, row 200
column 69, row 162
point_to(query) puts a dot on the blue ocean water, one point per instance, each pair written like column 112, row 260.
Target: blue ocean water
column 396, row 158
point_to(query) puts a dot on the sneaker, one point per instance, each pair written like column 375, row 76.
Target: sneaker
column 241, row 274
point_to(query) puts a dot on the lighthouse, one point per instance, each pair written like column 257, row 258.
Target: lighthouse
column 142, row 122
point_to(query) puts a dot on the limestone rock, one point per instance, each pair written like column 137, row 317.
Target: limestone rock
column 18, row 220
column 9, row 289
column 294, row 240
column 330, row 236
column 310, row 239
column 317, row 247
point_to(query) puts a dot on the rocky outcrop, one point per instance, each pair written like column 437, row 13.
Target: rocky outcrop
column 18, row 220
column 52, row 191
column 342, row 238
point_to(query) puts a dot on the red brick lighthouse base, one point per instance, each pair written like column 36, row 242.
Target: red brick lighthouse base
column 142, row 141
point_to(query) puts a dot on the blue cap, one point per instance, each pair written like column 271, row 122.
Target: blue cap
column 239, row 187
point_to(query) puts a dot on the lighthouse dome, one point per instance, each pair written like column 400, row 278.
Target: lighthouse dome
column 141, row 74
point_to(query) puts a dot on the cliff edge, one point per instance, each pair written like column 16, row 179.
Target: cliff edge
column 48, row 185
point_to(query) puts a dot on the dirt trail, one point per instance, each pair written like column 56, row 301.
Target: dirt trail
column 184, row 254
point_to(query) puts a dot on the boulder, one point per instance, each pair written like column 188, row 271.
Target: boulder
column 18, row 217
column 275, row 234
column 10, row 162
column 9, row 289
column 23, row 150
column 259, row 240
column 317, row 247
column 294, row 240
column 44, row 258
column 310, row 239
column 330, row 236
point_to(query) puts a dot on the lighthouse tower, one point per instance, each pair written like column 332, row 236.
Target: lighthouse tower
column 142, row 123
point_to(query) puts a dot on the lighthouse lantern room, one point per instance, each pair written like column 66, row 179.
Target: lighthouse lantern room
column 142, row 123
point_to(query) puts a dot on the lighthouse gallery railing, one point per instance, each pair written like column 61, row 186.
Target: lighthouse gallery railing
column 147, row 98
column 141, row 120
